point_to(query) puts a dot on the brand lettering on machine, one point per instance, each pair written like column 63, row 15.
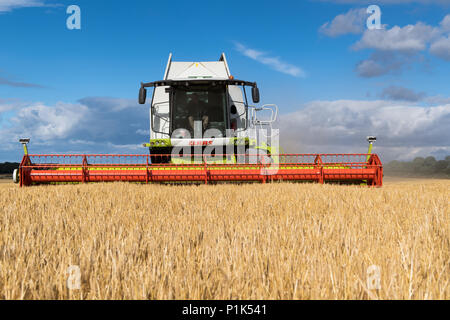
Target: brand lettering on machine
column 200, row 143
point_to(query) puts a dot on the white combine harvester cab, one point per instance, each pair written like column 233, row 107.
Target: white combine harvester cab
column 200, row 104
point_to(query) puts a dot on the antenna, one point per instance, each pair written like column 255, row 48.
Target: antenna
column 371, row 139
column 24, row 142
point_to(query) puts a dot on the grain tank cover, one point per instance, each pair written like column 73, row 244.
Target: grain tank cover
column 207, row 70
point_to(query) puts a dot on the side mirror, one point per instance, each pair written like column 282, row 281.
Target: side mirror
column 142, row 95
column 255, row 94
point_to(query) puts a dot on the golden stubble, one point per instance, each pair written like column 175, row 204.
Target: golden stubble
column 250, row 241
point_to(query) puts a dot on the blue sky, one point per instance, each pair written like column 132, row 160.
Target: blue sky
column 75, row 90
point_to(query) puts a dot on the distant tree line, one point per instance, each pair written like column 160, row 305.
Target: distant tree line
column 8, row 167
column 420, row 167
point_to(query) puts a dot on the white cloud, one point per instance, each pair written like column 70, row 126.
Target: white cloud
column 445, row 23
column 441, row 48
column 351, row 22
column 8, row 5
column 404, row 130
column 410, row 38
column 94, row 125
column 273, row 62
column 6, row 105
column 107, row 125
column 397, row 47
column 46, row 123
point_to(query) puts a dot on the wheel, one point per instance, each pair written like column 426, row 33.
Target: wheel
column 16, row 177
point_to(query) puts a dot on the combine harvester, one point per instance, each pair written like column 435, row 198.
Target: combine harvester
column 202, row 130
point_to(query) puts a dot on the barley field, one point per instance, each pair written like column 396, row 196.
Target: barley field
column 274, row 241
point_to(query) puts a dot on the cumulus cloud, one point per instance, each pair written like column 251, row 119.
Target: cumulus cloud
column 404, row 131
column 445, row 23
column 352, row 22
column 410, row 38
column 93, row 125
column 273, row 62
column 9, row 5
column 397, row 47
column 7, row 105
column 46, row 123
column 110, row 125
column 399, row 93
column 441, row 48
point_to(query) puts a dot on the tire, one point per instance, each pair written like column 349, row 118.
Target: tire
column 16, row 178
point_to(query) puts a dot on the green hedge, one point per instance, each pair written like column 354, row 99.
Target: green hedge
column 8, row 167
